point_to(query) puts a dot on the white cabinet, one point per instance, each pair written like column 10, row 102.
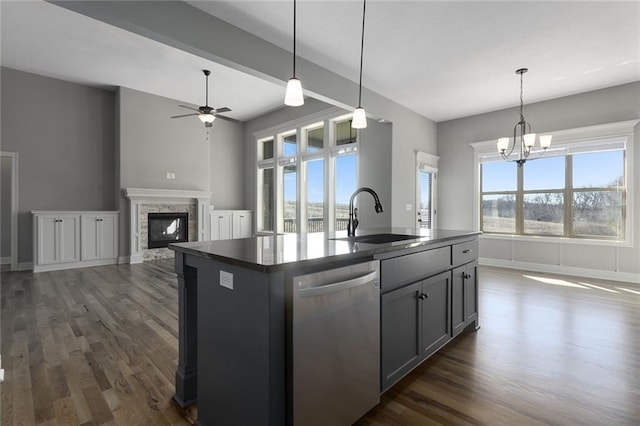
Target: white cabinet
column 65, row 239
column 220, row 225
column 60, row 236
column 228, row 224
column 242, row 225
column 99, row 236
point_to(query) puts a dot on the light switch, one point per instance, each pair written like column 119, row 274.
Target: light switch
column 168, row 175
column 226, row 279
column 409, row 207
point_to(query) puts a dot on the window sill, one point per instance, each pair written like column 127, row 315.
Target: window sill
column 557, row 240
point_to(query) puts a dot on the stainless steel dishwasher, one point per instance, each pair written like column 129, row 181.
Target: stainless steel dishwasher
column 336, row 345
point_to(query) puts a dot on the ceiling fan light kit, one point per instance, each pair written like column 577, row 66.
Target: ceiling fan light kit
column 205, row 113
column 293, row 96
column 523, row 137
column 359, row 115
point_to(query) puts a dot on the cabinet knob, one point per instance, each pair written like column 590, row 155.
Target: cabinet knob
column 467, row 251
column 423, row 296
column 465, row 276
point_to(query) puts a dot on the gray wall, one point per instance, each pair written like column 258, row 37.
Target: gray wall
column 150, row 143
column 227, row 165
column 5, row 206
column 66, row 152
column 456, row 178
column 374, row 171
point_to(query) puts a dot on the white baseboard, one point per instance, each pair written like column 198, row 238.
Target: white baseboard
column 122, row 260
column 136, row 258
column 5, row 260
column 25, row 266
column 628, row 277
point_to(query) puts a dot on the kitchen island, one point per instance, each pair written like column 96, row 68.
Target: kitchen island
column 238, row 328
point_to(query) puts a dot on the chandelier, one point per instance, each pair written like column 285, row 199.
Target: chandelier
column 522, row 137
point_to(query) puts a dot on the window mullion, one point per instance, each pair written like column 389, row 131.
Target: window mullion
column 568, row 197
column 520, row 202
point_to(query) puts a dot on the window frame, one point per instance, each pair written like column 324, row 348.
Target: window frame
column 326, row 119
column 566, row 143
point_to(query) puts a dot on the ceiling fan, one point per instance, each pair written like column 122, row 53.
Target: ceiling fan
column 205, row 113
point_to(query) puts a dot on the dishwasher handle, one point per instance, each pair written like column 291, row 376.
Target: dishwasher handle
column 339, row 286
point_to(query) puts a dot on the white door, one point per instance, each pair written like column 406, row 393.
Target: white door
column 220, row 225
column 426, row 196
column 69, row 238
column 426, row 190
column 90, row 237
column 242, row 225
column 47, row 240
column 108, row 236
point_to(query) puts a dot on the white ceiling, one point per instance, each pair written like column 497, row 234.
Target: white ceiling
column 442, row 59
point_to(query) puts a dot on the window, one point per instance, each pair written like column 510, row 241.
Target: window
column 577, row 191
column 316, row 169
column 427, row 173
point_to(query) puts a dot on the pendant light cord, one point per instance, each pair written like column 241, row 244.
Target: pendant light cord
column 294, row 38
column 364, row 9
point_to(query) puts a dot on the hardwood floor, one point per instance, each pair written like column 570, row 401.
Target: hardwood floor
column 99, row 346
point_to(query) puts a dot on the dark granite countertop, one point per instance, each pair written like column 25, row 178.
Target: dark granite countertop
column 286, row 251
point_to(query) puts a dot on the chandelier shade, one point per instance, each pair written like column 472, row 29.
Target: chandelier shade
column 523, row 143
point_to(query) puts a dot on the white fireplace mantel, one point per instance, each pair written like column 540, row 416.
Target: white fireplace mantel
column 140, row 196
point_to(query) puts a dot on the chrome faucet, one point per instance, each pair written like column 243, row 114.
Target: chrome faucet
column 353, row 213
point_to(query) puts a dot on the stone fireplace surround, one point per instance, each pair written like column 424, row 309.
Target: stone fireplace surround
column 145, row 200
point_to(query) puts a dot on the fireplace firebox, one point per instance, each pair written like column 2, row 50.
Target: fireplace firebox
column 165, row 228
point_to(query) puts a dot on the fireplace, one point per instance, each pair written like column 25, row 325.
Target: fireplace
column 165, row 228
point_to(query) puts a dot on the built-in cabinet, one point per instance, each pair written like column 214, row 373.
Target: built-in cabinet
column 229, row 224
column 422, row 308
column 64, row 240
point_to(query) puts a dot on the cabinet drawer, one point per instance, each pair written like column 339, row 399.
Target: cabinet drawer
column 464, row 252
column 412, row 267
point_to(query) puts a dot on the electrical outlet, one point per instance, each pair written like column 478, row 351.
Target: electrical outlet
column 226, row 279
column 168, row 175
column 409, row 207
column 173, row 175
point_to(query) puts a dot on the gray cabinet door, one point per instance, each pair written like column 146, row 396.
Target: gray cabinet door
column 435, row 315
column 471, row 293
column 458, row 313
column 400, row 316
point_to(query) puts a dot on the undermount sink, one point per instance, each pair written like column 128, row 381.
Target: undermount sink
column 378, row 238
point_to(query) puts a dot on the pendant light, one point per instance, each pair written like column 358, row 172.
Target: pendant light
column 359, row 115
column 293, row 95
column 523, row 137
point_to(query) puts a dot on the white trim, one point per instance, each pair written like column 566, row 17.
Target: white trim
column 428, row 160
column 5, row 260
column 555, row 240
column 563, row 270
column 14, row 208
column 151, row 193
column 561, row 138
column 124, row 260
column 73, row 265
column 300, row 122
column 25, row 266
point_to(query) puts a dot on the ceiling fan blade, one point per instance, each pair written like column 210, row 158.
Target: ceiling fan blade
column 188, row 107
column 185, row 115
column 233, row 120
column 223, row 109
